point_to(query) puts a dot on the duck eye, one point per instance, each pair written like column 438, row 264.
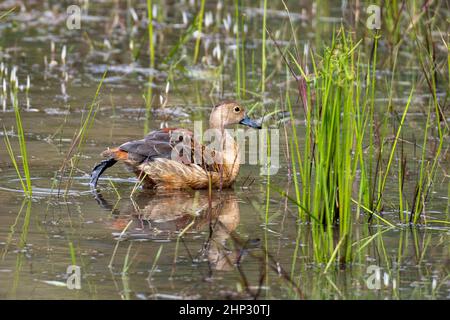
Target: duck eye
column 237, row 109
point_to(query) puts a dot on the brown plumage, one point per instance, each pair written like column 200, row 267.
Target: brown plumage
column 171, row 158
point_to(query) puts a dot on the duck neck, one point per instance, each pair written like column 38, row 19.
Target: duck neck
column 228, row 149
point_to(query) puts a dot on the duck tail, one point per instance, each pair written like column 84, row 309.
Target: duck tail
column 99, row 169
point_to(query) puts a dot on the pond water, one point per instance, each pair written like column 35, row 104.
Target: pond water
column 182, row 244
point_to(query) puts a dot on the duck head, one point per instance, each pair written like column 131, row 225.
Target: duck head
column 230, row 113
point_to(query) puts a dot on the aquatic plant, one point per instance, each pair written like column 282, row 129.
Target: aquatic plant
column 347, row 157
column 25, row 179
column 74, row 153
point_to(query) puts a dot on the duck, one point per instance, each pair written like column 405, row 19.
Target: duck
column 173, row 158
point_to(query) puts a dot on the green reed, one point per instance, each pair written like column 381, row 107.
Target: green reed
column 328, row 169
column 240, row 70
column 199, row 30
column 335, row 180
column 263, row 49
column 382, row 183
column 73, row 256
column 238, row 55
column 73, row 155
column 20, row 259
column 7, row 13
column 347, row 158
column 425, row 52
column 25, row 178
column 151, row 44
column 151, row 47
column 241, row 52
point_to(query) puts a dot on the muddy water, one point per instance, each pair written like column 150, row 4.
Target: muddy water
column 180, row 244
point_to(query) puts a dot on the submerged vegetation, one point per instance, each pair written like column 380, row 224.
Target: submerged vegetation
column 364, row 148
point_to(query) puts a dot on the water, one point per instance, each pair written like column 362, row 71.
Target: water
column 208, row 248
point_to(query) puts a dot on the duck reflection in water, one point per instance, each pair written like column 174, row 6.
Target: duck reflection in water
column 158, row 216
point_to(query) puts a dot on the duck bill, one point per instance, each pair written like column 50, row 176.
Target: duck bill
column 250, row 123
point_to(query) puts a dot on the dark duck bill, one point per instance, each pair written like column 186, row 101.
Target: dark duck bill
column 250, row 123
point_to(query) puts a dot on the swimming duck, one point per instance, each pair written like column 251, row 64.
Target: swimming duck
column 171, row 158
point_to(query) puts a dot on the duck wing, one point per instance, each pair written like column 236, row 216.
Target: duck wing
column 157, row 144
column 168, row 143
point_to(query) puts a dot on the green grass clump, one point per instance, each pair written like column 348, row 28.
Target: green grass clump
column 25, row 178
column 348, row 158
column 339, row 176
column 329, row 167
